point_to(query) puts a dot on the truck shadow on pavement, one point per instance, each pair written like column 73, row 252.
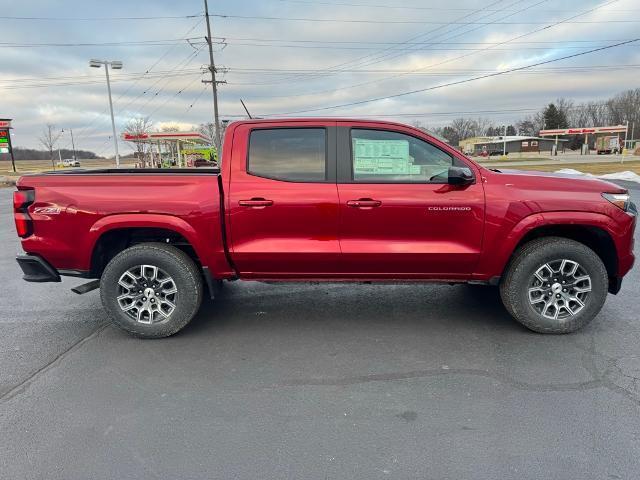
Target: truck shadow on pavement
column 253, row 304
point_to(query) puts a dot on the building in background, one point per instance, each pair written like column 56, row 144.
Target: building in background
column 484, row 146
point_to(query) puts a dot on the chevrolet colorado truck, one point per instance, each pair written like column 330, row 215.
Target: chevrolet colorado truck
column 327, row 200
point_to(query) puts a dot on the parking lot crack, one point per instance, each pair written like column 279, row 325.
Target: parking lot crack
column 22, row 386
column 596, row 382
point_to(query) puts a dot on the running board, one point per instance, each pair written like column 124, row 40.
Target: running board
column 86, row 287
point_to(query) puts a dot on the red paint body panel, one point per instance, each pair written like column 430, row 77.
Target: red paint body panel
column 418, row 231
column 296, row 236
column 309, row 230
column 90, row 205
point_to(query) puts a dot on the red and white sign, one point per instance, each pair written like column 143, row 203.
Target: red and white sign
column 186, row 136
column 582, row 131
column 5, row 123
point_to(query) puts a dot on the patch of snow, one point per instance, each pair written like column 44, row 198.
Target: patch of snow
column 570, row 171
column 627, row 175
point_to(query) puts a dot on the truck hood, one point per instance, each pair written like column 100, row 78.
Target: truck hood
column 557, row 181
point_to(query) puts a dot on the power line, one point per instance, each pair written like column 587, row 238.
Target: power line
column 172, row 97
column 360, row 42
column 163, row 42
column 405, row 7
column 418, row 22
column 437, row 49
column 76, row 19
column 162, row 57
column 609, row 68
column 518, row 37
column 94, row 81
column 460, row 82
column 195, row 100
column 390, row 53
column 277, row 71
column 121, row 76
column 428, row 34
column 387, row 114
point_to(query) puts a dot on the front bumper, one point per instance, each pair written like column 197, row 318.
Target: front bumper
column 37, row 269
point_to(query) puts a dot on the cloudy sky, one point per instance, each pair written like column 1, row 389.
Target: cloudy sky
column 304, row 57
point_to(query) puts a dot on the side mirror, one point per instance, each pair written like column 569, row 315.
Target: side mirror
column 460, row 176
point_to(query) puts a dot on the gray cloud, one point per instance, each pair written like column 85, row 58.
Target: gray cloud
column 82, row 105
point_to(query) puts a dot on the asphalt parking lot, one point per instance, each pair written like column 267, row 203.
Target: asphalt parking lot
column 314, row 381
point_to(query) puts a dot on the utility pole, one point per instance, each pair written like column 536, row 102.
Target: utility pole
column 214, row 84
column 504, row 146
column 73, row 145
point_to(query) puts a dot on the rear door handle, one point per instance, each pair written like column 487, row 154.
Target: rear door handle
column 364, row 203
column 256, row 203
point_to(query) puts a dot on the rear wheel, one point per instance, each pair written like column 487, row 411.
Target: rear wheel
column 151, row 290
column 554, row 285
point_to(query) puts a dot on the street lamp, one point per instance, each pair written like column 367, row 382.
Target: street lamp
column 116, row 65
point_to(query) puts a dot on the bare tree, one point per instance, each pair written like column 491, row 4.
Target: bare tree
column 625, row 107
column 461, row 128
column 482, row 126
column 208, row 130
column 565, row 107
column 48, row 138
column 531, row 124
column 138, row 126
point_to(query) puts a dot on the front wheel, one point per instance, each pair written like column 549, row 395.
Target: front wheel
column 554, row 285
column 151, row 290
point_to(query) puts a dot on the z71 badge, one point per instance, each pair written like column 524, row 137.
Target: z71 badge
column 46, row 210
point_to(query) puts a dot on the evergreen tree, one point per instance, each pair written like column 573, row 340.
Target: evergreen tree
column 554, row 118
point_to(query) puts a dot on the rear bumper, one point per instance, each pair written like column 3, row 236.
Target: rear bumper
column 37, row 269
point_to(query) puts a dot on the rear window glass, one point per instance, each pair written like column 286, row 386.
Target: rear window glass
column 291, row 154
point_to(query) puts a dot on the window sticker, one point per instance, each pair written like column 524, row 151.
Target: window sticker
column 383, row 157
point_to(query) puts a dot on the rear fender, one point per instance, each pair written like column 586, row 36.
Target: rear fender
column 136, row 220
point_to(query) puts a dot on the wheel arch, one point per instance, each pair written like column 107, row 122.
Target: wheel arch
column 112, row 234
column 591, row 234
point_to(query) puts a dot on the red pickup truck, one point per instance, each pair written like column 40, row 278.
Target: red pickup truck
column 327, row 200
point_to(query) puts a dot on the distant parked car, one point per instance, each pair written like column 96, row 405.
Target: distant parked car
column 68, row 162
column 201, row 162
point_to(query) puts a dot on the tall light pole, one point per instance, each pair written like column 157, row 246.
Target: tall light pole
column 116, row 65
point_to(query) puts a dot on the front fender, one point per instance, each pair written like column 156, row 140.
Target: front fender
column 496, row 256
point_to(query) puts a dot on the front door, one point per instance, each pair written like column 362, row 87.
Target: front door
column 399, row 217
column 283, row 200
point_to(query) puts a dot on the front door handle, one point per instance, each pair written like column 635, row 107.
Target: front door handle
column 256, row 203
column 364, row 203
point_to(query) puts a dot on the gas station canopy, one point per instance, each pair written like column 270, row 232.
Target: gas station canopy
column 190, row 147
column 187, row 137
column 582, row 131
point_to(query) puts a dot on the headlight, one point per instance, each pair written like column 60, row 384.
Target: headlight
column 620, row 200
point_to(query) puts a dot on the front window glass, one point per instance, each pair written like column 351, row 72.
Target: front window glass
column 386, row 156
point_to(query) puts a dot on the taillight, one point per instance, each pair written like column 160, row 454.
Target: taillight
column 21, row 201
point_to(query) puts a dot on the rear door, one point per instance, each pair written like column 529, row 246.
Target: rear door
column 399, row 218
column 283, row 200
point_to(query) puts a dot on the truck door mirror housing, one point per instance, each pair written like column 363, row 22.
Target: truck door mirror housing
column 460, row 176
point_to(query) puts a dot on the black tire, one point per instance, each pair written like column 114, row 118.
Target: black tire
column 183, row 273
column 514, row 286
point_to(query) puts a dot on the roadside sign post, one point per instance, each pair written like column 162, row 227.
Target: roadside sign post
column 5, row 140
